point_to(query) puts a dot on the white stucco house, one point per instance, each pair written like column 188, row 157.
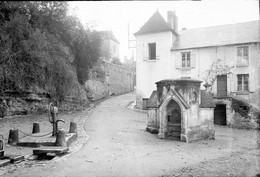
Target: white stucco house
column 226, row 59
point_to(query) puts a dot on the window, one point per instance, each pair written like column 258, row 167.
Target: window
column 152, row 51
column 242, row 82
column 185, row 60
column 242, row 55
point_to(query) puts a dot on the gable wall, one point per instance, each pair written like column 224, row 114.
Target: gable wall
column 150, row 71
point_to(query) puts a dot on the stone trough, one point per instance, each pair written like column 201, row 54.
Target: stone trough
column 45, row 144
column 38, row 140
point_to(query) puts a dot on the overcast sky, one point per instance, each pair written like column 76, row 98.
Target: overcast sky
column 115, row 16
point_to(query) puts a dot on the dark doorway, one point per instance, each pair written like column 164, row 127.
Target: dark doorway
column 222, row 85
column 220, row 115
column 174, row 120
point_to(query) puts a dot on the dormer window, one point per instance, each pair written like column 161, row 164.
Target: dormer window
column 242, row 56
column 152, row 51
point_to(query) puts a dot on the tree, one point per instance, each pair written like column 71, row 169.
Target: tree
column 116, row 61
column 37, row 38
column 217, row 68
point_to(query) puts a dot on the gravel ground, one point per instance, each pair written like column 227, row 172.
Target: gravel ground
column 118, row 145
column 25, row 124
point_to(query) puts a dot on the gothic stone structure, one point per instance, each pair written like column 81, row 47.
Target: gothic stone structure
column 177, row 110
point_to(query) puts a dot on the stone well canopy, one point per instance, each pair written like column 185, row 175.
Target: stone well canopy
column 175, row 110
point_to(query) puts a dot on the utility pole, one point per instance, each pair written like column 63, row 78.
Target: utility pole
column 131, row 42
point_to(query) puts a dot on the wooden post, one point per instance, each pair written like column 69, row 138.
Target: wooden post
column 36, row 128
column 60, row 138
column 13, row 138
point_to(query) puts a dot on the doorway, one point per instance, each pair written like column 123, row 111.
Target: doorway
column 220, row 115
column 173, row 120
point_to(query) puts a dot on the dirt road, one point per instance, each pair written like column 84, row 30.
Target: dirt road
column 120, row 146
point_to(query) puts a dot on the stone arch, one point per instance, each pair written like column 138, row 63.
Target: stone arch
column 163, row 114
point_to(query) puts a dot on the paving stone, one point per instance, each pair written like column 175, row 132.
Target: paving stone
column 4, row 162
column 14, row 158
column 70, row 137
column 50, row 149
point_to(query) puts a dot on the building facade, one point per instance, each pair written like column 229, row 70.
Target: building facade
column 225, row 58
column 110, row 45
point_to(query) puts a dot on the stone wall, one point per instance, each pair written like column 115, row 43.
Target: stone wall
column 119, row 79
column 24, row 103
column 104, row 80
column 240, row 114
column 109, row 79
column 245, row 115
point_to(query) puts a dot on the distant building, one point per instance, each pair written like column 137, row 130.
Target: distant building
column 110, row 45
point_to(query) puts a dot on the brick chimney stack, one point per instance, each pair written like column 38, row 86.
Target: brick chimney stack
column 172, row 20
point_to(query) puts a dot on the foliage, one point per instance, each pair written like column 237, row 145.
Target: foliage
column 86, row 53
column 217, row 68
column 116, row 61
column 37, row 41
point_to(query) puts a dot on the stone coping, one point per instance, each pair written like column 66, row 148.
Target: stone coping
column 168, row 81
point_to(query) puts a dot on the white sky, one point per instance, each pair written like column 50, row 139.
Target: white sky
column 115, row 15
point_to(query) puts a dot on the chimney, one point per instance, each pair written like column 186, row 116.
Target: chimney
column 172, row 20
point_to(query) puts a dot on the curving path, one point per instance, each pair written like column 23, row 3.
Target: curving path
column 120, row 146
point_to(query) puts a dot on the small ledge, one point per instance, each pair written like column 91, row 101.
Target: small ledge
column 242, row 64
column 185, row 69
column 242, row 93
column 150, row 60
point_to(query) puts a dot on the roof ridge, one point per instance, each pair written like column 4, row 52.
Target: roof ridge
column 189, row 29
column 156, row 23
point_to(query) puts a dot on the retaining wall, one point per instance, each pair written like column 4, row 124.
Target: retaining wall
column 109, row 79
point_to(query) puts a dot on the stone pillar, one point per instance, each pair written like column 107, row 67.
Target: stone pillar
column 161, row 133
column 36, row 128
column 60, row 138
column 73, row 127
column 13, row 138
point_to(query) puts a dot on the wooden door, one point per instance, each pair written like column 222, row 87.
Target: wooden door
column 222, row 85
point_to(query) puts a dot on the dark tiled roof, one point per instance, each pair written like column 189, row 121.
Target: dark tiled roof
column 155, row 24
column 152, row 102
column 206, row 100
column 108, row 35
column 218, row 35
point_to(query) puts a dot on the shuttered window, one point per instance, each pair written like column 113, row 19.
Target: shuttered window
column 185, row 60
column 152, row 51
